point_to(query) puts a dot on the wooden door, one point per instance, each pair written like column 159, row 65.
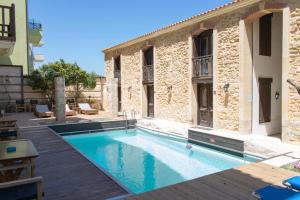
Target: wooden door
column 265, row 99
column 150, row 100
column 119, row 99
column 205, row 104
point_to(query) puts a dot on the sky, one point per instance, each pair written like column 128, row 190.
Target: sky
column 78, row 30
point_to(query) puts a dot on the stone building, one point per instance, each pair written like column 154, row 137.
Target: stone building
column 235, row 68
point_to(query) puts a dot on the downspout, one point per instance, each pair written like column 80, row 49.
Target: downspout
column 27, row 39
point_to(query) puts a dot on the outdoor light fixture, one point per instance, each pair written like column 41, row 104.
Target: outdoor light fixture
column 169, row 91
column 129, row 91
column 277, row 95
column 226, row 87
column 290, row 81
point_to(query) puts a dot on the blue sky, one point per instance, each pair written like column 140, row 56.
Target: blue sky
column 78, row 30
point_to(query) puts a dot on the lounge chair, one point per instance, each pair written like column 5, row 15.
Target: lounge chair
column 31, row 188
column 293, row 183
column 9, row 132
column 43, row 111
column 273, row 192
column 8, row 128
column 70, row 112
column 85, row 108
column 20, row 105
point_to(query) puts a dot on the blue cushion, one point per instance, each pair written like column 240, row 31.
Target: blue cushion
column 8, row 134
column 294, row 182
column 22, row 192
column 272, row 192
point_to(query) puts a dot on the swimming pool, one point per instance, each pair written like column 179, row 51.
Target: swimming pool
column 142, row 161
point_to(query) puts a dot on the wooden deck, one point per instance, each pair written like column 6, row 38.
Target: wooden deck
column 68, row 175
column 232, row 184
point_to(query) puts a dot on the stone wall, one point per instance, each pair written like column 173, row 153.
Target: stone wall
column 13, row 86
column 293, row 130
column 172, row 68
column 172, row 79
column 227, row 68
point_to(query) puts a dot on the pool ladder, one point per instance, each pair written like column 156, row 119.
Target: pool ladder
column 133, row 113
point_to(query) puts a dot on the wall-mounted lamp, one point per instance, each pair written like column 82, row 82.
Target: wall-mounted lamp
column 169, row 88
column 277, row 95
column 226, row 87
column 290, row 81
column 129, row 91
column 169, row 91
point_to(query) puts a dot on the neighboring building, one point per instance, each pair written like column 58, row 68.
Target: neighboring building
column 18, row 36
column 228, row 68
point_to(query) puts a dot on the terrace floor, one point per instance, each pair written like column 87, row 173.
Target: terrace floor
column 66, row 174
column 233, row 184
column 28, row 119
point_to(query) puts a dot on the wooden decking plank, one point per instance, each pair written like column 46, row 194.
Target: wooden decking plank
column 68, row 175
column 237, row 184
column 221, row 185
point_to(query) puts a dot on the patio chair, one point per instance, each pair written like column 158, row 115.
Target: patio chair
column 72, row 103
column 9, row 132
column 31, row 188
column 43, row 111
column 8, row 128
column 70, row 112
column 20, row 105
column 85, row 108
column 273, row 192
column 293, row 183
column 33, row 104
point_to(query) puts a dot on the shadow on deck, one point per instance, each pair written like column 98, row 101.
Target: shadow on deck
column 68, row 175
column 233, row 184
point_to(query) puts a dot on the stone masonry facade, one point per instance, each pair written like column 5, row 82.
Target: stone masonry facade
column 173, row 69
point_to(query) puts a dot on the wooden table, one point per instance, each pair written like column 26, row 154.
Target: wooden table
column 7, row 121
column 12, row 164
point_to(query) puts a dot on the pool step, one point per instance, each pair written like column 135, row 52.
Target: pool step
column 217, row 142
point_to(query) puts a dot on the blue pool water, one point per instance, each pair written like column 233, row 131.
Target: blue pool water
column 142, row 161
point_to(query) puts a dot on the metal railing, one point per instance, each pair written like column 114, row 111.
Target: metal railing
column 203, row 66
column 7, row 23
column 148, row 75
column 33, row 24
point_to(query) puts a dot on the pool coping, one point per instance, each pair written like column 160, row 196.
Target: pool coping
column 174, row 135
column 99, row 167
column 158, row 132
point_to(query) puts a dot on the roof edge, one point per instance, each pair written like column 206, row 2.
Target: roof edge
column 223, row 9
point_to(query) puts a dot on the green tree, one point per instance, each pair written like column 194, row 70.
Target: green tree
column 43, row 78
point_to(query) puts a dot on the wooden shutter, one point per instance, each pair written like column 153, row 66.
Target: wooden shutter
column 265, row 35
column 265, row 99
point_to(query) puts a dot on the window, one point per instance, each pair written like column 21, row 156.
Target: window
column 203, row 44
column 118, row 63
column 265, row 35
column 265, row 99
column 148, row 56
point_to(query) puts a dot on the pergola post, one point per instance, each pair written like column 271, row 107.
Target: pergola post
column 60, row 104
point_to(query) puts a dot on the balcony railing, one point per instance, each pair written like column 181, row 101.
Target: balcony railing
column 148, row 74
column 33, row 24
column 117, row 74
column 7, row 23
column 203, row 66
